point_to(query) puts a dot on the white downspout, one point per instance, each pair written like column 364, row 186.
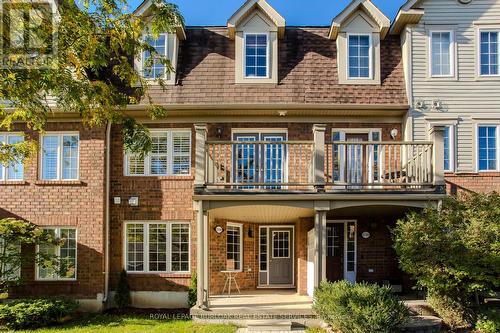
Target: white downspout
column 106, row 218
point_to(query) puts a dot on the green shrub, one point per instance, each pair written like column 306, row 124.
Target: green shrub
column 193, row 291
column 489, row 322
column 359, row 308
column 35, row 313
column 453, row 309
column 122, row 296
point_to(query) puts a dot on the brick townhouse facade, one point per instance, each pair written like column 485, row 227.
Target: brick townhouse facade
column 280, row 161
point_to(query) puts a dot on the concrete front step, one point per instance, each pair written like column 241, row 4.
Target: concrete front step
column 423, row 324
column 268, row 325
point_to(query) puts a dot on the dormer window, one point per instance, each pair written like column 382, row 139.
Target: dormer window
column 256, row 56
column 157, row 69
column 359, row 54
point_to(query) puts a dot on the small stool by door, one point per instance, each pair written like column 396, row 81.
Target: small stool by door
column 230, row 279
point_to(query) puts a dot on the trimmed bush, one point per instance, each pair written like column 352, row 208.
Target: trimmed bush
column 359, row 308
column 193, row 291
column 122, row 297
column 36, row 313
column 454, row 310
column 489, row 322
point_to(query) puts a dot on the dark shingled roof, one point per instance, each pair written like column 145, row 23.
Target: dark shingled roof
column 307, row 72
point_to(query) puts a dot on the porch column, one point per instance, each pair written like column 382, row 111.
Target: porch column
column 202, row 255
column 320, row 235
column 319, row 156
column 200, row 157
column 437, row 137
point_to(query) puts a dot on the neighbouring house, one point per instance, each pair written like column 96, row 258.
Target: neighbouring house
column 450, row 51
column 287, row 155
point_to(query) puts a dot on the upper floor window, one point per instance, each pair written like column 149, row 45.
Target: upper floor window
column 14, row 170
column 170, row 155
column 64, row 254
column 60, row 156
column 157, row 247
column 359, row 55
column 256, row 55
column 487, row 147
column 441, row 53
column 489, row 41
column 154, row 68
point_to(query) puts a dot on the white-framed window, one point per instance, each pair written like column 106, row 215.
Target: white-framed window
column 449, row 148
column 234, row 246
column 15, row 170
column 442, row 53
column 359, row 56
column 157, row 247
column 170, row 155
column 60, row 156
column 256, row 55
column 489, row 40
column 65, row 255
column 9, row 269
column 155, row 70
column 487, row 147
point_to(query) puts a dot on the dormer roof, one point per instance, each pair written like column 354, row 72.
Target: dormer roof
column 248, row 8
column 383, row 23
column 409, row 13
column 144, row 9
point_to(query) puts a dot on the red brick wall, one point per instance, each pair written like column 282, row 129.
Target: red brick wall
column 473, row 182
column 160, row 198
column 79, row 204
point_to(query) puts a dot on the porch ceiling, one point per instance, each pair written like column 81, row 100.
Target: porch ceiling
column 263, row 213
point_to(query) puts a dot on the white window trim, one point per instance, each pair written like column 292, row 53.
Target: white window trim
column 146, row 247
column 240, row 226
column 59, row 156
column 370, row 52
column 452, row 52
column 453, row 125
column 143, row 58
column 58, row 234
column 478, row 50
column 4, row 175
column 289, row 243
column 476, row 146
column 170, row 154
column 245, row 34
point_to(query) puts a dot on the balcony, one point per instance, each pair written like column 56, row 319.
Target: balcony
column 281, row 166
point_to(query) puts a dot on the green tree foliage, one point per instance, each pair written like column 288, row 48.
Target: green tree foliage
column 14, row 235
column 93, row 74
column 454, row 252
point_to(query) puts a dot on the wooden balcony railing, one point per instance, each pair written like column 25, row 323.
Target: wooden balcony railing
column 372, row 165
column 257, row 165
column 316, row 165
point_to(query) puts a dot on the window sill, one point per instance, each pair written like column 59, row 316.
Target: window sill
column 159, row 274
column 56, row 281
column 60, row 183
column 13, row 183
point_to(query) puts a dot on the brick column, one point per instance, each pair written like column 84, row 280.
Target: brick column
column 319, row 156
column 437, row 137
column 200, row 157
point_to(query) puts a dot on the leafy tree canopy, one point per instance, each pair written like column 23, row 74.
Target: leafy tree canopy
column 93, row 74
column 454, row 250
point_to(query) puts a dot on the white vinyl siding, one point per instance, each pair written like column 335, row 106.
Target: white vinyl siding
column 441, row 53
column 65, row 256
column 157, row 247
column 15, row 170
column 170, row 155
column 60, row 156
column 468, row 96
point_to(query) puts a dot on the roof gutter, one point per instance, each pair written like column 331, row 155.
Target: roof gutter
column 106, row 217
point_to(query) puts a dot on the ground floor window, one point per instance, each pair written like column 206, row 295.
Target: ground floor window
column 61, row 260
column 234, row 245
column 157, row 247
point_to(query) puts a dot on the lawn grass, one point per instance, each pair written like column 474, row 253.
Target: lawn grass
column 103, row 323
